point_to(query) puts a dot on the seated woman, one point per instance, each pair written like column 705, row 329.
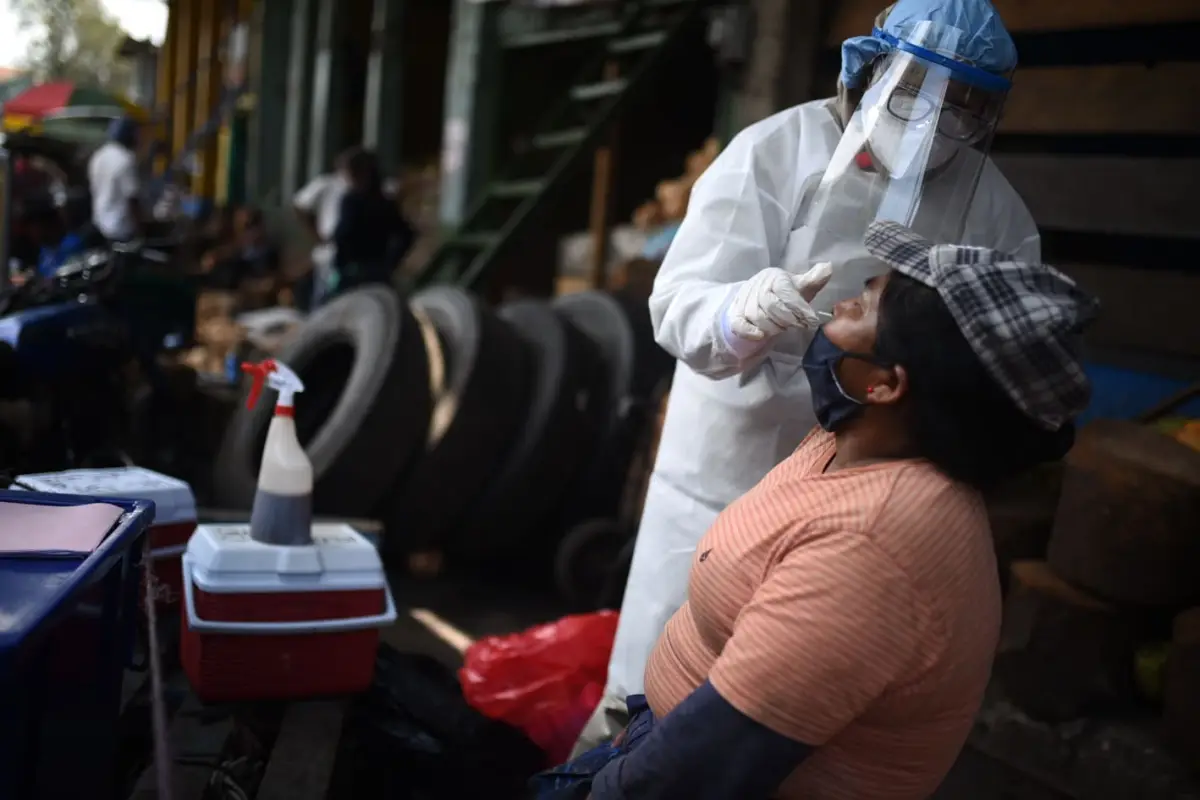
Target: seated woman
column 248, row 263
column 842, row 615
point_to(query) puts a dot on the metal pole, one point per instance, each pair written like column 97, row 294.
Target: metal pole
column 472, row 86
column 328, row 83
column 299, row 84
column 384, row 101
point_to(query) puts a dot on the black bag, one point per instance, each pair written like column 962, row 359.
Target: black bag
column 412, row 736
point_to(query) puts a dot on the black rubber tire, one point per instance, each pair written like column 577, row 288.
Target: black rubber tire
column 559, row 434
column 360, row 434
column 613, row 593
column 486, row 392
column 585, row 560
column 621, row 331
column 651, row 363
column 606, row 323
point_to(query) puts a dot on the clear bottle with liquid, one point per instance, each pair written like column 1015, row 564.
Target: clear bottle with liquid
column 282, row 511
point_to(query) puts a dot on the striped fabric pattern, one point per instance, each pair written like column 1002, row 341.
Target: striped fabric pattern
column 855, row 610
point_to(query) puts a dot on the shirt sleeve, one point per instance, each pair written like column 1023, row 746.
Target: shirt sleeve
column 126, row 177
column 705, row 749
column 737, row 223
column 309, row 196
column 831, row 629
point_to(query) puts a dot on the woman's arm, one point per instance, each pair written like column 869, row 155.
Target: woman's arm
column 831, row 629
column 307, row 200
column 703, row 749
column 737, row 224
column 347, row 231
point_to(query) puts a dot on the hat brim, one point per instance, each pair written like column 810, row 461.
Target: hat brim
column 901, row 249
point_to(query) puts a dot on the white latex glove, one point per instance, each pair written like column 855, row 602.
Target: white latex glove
column 775, row 300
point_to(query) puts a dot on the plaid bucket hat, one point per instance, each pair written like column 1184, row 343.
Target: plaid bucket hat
column 1024, row 321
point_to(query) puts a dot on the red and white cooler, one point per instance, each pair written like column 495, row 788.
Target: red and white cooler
column 174, row 512
column 264, row 621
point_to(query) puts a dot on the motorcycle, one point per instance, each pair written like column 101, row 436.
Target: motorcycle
column 78, row 370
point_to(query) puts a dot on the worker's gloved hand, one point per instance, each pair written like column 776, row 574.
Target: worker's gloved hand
column 775, row 300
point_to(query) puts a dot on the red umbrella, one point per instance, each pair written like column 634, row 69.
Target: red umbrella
column 53, row 98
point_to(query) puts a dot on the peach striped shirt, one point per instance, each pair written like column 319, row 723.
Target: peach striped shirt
column 856, row 611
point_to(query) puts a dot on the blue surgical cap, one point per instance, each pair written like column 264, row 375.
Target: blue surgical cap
column 124, row 130
column 971, row 30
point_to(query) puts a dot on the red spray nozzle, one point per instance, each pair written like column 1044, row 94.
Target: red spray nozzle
column 259, row 373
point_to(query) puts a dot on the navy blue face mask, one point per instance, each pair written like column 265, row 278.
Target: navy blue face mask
column 832, row 404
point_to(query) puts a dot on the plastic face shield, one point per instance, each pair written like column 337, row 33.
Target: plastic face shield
column 915, row 147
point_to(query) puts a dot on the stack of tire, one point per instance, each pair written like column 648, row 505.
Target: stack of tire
column 475, row 433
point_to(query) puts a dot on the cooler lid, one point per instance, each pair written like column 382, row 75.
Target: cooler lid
column 225, row 558
column 173, row 499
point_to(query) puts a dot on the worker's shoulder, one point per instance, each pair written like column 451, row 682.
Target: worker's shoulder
column 111, row 155
column 785, row 127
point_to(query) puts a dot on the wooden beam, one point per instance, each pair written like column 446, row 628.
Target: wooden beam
column 303, row 758
column 1131, row 196
column 208, row 96
column 185, row 53
column 854, row 17
column 1117, row 99
column 603, row 175
column 164, row 93
column 1140, row 310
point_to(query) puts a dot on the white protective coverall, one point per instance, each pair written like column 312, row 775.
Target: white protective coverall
column 729, row 423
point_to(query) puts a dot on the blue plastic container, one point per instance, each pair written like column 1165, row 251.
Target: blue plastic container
column 46, row 338
column 1122, row 393
column 66, row 626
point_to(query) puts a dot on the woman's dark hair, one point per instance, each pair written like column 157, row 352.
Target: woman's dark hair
column 960, row 418
column 364, row 170
column 252, row 216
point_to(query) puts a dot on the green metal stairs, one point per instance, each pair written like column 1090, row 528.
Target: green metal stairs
column 566, row 136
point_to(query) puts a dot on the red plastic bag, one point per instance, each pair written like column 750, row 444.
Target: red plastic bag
column 546, row 681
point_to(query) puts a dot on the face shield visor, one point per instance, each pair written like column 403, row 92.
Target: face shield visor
column 912, row 151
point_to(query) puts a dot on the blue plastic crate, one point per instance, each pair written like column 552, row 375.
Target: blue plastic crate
column 66, row 625
column 1122, row 393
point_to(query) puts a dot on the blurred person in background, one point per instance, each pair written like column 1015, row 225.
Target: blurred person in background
column 249, row 263
column 115, row 184
column 316, row 206
column 371, row 236
column 55, row 240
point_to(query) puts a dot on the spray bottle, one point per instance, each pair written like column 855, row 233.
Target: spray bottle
column 282, row 511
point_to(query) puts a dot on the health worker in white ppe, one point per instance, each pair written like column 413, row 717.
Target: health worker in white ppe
column 772, row 239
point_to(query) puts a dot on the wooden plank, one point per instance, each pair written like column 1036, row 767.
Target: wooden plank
column 1121, row 98
column 854, row 17
column 1131, row 196
column 1121, row 529
column 1140, row 310
column 303, row 758
column 194, row 741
